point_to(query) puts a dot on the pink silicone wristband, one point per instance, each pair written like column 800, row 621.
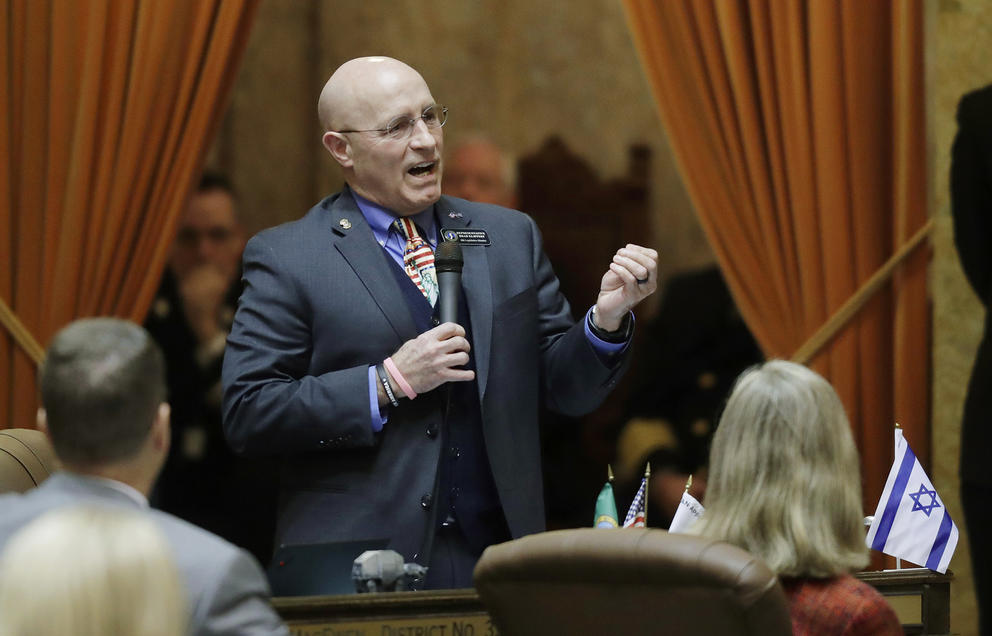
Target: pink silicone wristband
column 400, row 380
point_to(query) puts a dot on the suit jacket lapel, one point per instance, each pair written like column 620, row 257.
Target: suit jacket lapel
column 477, row 285
column 358, row 246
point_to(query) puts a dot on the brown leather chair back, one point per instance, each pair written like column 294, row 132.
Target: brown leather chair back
column 26, row 459
column 628, row 581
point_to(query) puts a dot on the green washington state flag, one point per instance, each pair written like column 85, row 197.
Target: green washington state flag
column 606, row 508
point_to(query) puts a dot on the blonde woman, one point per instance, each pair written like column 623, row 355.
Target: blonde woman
column 785, row 485
column 90, row 571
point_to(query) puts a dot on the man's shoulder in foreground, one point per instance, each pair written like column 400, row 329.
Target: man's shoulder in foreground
column 228, row 591
column 59, row 490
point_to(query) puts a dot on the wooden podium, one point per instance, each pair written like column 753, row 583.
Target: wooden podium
column 920, row 597
column 435, row 613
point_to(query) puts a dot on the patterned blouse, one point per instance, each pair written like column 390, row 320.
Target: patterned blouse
column 841, row 606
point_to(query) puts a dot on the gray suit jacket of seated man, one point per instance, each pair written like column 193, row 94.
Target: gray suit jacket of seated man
column 228, row 592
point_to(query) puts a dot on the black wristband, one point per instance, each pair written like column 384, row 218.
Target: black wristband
column 384, row 379
column 621, row 335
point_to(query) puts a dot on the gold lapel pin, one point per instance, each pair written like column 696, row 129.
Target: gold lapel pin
column 345, row 224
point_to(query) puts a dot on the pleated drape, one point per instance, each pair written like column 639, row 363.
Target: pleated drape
column 107, row 110
column 799, row 130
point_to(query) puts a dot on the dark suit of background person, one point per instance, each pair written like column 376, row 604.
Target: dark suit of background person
column 971, row 206
column 228, row 593
column 323, row 301
column 204, row 482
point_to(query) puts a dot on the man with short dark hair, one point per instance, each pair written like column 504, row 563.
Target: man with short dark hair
column 394, row 424
column 103, row 390
column 103, row 393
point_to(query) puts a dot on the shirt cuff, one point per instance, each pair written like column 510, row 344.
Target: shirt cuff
column 605, row 350
column 378, row 417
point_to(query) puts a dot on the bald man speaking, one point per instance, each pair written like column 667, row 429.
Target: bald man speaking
column 392, row 424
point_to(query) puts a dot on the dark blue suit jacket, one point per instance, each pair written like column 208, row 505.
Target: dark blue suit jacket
column 321, row 303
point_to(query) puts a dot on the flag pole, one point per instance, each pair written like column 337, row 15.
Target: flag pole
column 609, row 473
column 898, row 560
column 647, row 481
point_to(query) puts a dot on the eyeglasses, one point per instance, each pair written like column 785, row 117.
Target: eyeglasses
column 434, row 116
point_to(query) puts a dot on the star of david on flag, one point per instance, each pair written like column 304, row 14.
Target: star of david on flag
column 911, row 521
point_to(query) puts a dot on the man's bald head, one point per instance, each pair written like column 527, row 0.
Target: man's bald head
column 364, row 99
column 359, row 84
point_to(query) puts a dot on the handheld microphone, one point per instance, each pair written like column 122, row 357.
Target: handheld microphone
column 448, row 264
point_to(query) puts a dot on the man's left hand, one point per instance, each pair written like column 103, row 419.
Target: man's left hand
column 632, row 277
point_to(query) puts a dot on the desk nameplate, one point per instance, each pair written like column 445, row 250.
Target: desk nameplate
column 440, row 613
column 467, row 625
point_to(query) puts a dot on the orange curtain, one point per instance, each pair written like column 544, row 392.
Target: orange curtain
column 799, row 129
column 107, row 110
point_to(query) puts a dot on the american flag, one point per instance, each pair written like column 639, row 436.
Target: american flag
column 635, row 515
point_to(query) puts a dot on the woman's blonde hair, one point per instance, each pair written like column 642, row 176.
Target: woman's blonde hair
column 784, row 479
column 90, row 572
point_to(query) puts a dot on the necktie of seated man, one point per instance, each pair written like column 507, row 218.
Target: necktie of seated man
column 418, row 260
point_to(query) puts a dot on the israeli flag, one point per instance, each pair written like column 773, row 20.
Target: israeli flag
column 911, row 521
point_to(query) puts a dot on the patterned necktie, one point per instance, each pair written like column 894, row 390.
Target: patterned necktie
column 418, row 259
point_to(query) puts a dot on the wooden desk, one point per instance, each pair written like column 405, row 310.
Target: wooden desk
column 436, row 613
column 920, row 597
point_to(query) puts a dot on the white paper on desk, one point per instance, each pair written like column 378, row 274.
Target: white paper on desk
column 686, row 514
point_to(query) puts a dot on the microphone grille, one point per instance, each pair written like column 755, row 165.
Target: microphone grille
column 448, row 257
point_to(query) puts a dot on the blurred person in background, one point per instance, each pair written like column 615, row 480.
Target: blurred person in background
column 203, row 481
column 477, row 169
